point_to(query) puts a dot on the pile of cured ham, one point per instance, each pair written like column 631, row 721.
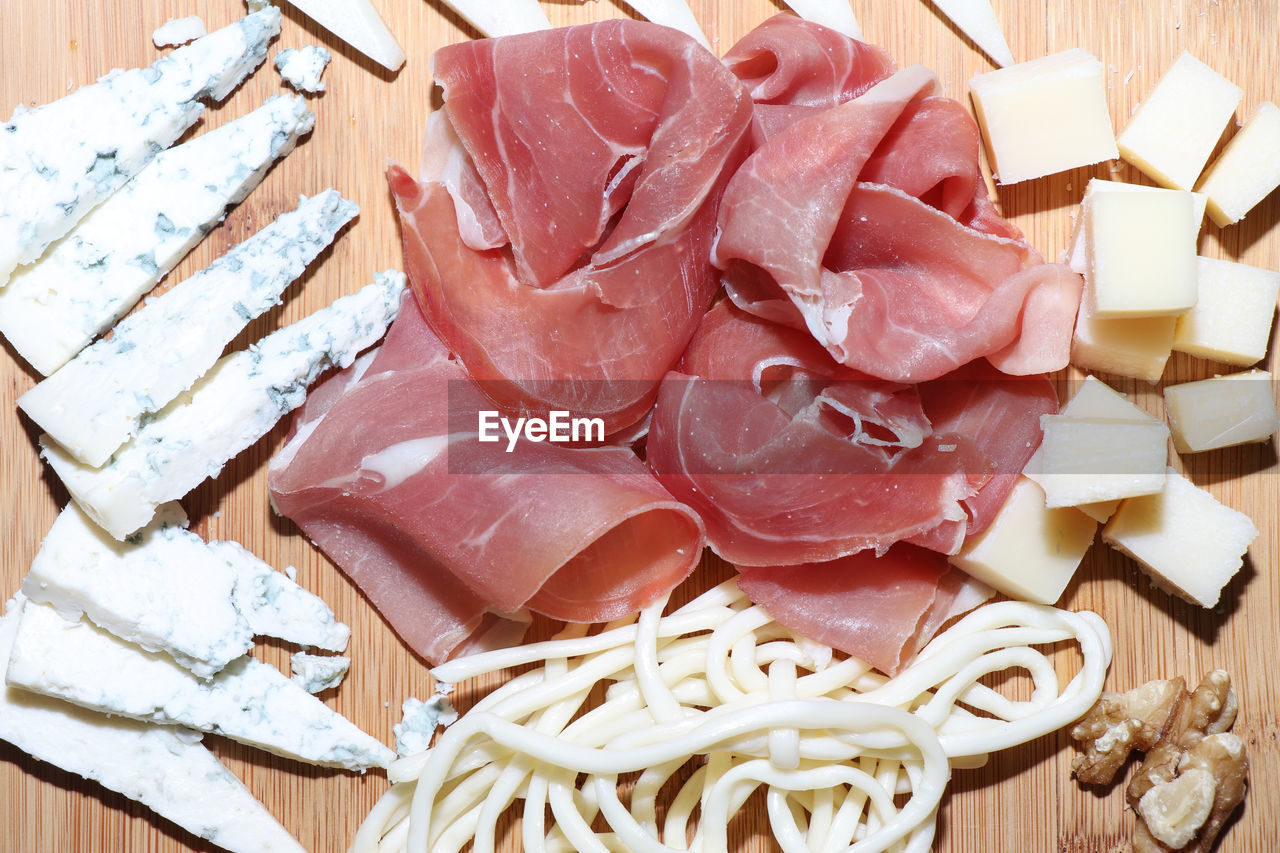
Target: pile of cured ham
column 777, row 279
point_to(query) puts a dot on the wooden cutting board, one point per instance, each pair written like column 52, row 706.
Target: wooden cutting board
column 1024, row 799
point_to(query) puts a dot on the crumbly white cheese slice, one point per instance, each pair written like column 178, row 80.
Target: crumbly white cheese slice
column 248, row 701
column 165, row 768
column 301, row 67
column 677, row 15
column 53, row 308
column 835, row 14
column 177, row 31
column 420, row 721
column 229, row 409
column 358, row 24
column 58, row 161
column 96, row 402
column 508, row 18
column 167, row 590
column 317, row 673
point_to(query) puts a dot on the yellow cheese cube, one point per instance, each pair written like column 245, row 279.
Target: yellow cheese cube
column 1077, row 254
column 1178, row 125
column 1137, row 347
column 1029, row 551
column 1142, row 253
column 1231, row 320
column 1221, row 412
column 1189, row 542
column 1044, row 116
column 1086, row 460
column 1247, row 170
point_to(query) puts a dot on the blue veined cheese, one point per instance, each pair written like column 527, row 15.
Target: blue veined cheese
column 58, row 161
column 165, row 768
column 248, row 701
column 53, row 308
column 420, row 721
column 301, row 67
column 317, row 673
column 230, row 408
column 96, row 402
column 167, row 590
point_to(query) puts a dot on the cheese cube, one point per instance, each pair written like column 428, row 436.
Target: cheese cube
column 1176, row 128
column 1142, row 253
column 1029, row 551
column 1221, row 412
column 1044, row 116
column 1247, row 170
column 1136, row 346
column 1187, row 541
column 1077, row 254
column 1093, row 399
column 1086, row 460
column 1231, row 320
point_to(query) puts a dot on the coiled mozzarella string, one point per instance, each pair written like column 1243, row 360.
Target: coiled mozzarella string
column 847, row 758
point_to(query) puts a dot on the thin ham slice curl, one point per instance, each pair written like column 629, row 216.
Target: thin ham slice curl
column 384, row 473
column 560, row 242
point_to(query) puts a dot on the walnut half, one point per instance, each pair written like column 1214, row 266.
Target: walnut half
column 1122, row 722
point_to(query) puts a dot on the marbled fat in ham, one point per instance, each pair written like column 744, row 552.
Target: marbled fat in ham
column 384, row 473
column 560, row 245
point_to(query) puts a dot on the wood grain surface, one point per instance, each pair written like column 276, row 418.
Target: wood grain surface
column 1023, row 799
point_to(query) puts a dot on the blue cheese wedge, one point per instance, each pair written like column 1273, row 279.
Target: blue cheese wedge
column 53, row 308
column 318, row 673
column 58, row 161
column 248, row 701
column 229, row 409
column 301, row 67
column 165, row 768
column 96, row 402
column 167, row 590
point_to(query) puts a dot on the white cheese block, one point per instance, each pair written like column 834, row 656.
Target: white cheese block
column 176, row 31
column 86, row 281
column 358, row 24
column 230, row 408
column 1044, row 116
column 248, row 701
column 1131, row 346
column 1030, row 551
column 1142, row 253
column 1076, row 255
column 978, row 21
column 1247, row 170
column 833, row 14
column 167, row 590
column 58, row 161
column 1189, row 542
column 94, row 403
column 165, row 768
column 1093, row 398
column 301, row 67
column 1086, row 460
column 1233, row 314
column 493, row 19
column 317, row 673
column 1222, row 411
column 1179, row 123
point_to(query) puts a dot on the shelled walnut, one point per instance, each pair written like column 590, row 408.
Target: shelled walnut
column 1194, row 774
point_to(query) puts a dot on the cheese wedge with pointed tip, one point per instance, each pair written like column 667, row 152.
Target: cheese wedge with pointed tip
column 836, row 14
column 977, row 20
column 495, row 18
column 358, row 24
column 671, row 13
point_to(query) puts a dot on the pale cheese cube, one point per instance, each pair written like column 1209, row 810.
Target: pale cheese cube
column 1142, row 253
column 1189, row 542
column 1232, row 317
column 1132, row 346
column 1029, row 551
column 1044, row 116
column 1247, row 170
column 1221, row 412
column 1076, row 255
column 1086, row 460
column 1175, row 129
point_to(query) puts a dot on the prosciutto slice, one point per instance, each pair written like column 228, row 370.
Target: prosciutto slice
column 560, row 242
column 385, row 474
column 879, row 609
column 867, row 223
column 790, row 458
